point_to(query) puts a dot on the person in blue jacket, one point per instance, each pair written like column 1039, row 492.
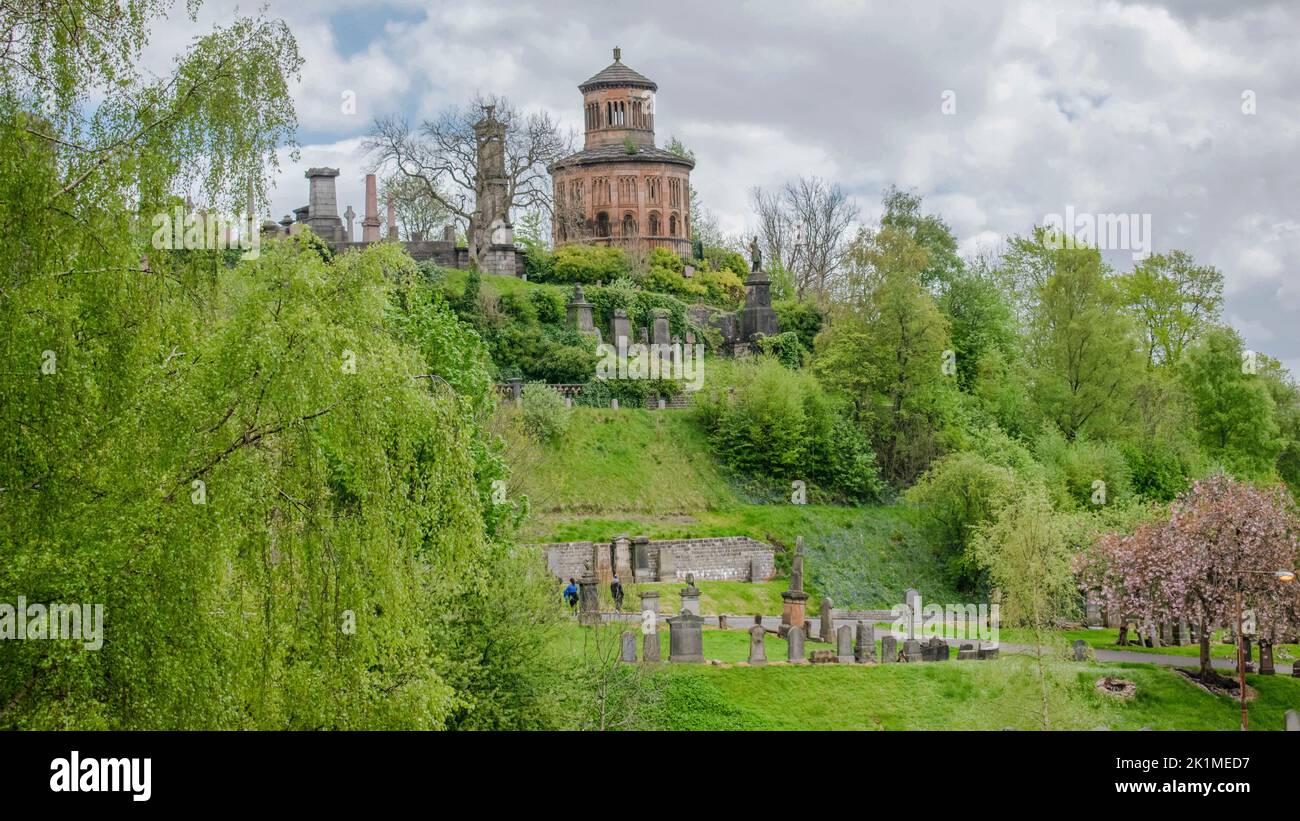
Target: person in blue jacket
column 571, row 594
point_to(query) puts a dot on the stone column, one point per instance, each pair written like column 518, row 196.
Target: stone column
column 392, row 218
column 370, row 223
column 757, row 650
column 579, row 311
column 686, row 638
column 912, row 598
column 588, row 597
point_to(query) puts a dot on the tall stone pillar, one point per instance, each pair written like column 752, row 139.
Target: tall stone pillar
column 588, row 597
column 392, row 218
column 349, row 215
column 370, row 223
column 322, row 204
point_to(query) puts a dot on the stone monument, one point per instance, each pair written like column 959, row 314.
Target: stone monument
column 686, row 638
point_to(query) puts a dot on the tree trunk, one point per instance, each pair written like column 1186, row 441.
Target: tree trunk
column 1123, row 635
column 1204, row 633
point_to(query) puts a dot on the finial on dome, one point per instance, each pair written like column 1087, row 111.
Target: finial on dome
column 618, row 54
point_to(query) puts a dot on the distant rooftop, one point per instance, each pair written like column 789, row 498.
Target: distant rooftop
column 618, row 75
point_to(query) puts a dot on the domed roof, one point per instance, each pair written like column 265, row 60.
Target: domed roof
column 618, row 75
column 617, row 153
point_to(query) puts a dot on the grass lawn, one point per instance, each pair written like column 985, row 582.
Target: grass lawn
column 968, row 695
column 1104, row 639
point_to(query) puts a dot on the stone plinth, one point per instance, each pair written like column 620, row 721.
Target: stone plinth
column 588, row 598
column 793, row 604
column 686, row 638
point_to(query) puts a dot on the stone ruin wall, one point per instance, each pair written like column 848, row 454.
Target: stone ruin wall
column 726, row 558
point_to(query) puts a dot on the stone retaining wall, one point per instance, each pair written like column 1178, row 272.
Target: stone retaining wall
column 725, row 558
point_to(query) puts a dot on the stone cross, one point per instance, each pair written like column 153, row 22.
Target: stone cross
column 350, row 215
column 757, row 651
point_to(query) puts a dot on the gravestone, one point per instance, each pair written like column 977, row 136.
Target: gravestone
column 912, row 598
column 661, row 327
column 722, row 621
column 1167, row 633
column 620, row 329
column 913, row 651
column 602, row 559
column 650, row 601
column 967, row 652
column 1265, row 659
column 686, row 638
column 938, row 649
column 888, row 649
column 1080, row 650
column 755, row 569
column 1292, row 721
column 579, row 311
column 1093, row 613
column 650, row 646
column 987, row 652
column 1184, row 634
column 822, row 657
column 844, row 644
column 629, row 646
column 642, row 336
column 667, row 565
column 690, row 596
column 622, row 555
column 757, row 650
column 826, row 622
column 865, row 650
column 794, row 645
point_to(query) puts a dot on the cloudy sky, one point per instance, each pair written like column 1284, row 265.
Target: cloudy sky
column 1103, row 108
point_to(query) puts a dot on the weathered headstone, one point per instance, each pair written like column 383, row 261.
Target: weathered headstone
column 822, row 657
column 1092, row 612
column 650, row 601
column 650, row 646
column 755, row 569
column 987, row 651
column 722, row 621
column 912, row 651
column 827, row 622
column 620, row 328
column 888, row 649
column 1292, row 721
column 794, row 645
column 1265, row 659
column 844, row 644
column 1080, row 650
column 602, row 559
column 686, row 638
column 629, row 646
column 757, row 650
column 623, row 557
column 865, row 650
column 579, row 311
column 641, row 570
column 938, row 649
column 661, row 327
column 967, row 652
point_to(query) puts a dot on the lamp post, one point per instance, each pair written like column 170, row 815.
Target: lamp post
column 1283, row 576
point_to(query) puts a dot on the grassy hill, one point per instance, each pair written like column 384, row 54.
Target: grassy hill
column 651, row 473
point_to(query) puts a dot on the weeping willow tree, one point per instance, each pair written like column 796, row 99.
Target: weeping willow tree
column 271, row 472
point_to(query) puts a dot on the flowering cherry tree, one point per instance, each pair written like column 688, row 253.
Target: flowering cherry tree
column 1220, row 535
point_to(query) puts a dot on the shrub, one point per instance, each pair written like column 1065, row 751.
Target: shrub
column 784, row 348
column 588, row 263
column 549, row 306
column 800, row 317
column 545, row 416
column 1072, row 470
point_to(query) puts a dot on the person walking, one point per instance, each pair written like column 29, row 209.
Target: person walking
column 616, row 590
column 571, row 593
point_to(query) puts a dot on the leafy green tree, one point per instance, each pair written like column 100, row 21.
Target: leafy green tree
column 1082, row 349
column 903, row 212
column 1173, row 300
column 1235, row 412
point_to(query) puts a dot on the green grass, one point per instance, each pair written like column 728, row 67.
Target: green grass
column 1105, row 638
column 623, row 465
column 967, row 695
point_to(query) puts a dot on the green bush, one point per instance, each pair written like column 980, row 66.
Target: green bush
column 784, row 348
column 587, row 264
column 777, row 426
column 546, row 418
column 548, row 305
column 800, row 317
column 1073, row 469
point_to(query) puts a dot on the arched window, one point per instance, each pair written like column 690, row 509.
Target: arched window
column 629, row 225
column 655, row 228
column 602, row 224
column 672, row 225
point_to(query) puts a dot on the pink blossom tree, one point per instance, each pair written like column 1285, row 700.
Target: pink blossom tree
column 1220, row 534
